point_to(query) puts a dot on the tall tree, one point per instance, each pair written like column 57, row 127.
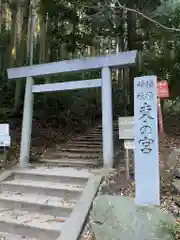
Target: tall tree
column 21, row 54
column 13, row 41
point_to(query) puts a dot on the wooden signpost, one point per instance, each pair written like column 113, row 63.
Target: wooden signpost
column 160, row 118
column 146, row 156
column 125, row 127
column 163, row 92
column 126, row 133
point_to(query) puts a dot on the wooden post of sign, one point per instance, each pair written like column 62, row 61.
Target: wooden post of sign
column 127, row 164
column 161, row 127
column 146, row 156
column 128, row 145
column 163, row 92
column 125, row 125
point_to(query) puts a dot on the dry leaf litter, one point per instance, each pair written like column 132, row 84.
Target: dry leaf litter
column 117, row 184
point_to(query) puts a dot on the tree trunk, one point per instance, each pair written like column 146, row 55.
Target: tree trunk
column 0, row 15
column 93, row 51
column 74, row 17
column 49, row 38
column 63, row 52
column 43, row 30
column 125, row 72
column 120, row 47
column 12, row 53
column 21, row 56
column 140, row 61
column 1, row 19
column 131, row 21
column 17, row 100
column 43, row 44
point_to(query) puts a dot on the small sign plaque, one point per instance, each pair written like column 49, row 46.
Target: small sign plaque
column 5, row 140
column 163, row 89
column 126, row 127
column 129, row 144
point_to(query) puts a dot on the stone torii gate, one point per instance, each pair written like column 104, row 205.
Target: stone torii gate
column 104, row 63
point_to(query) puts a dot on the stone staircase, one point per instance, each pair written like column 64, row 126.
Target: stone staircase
column 50, row 199
column 82, row 152
column 36, row 203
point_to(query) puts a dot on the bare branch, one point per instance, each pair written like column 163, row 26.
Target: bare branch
column 146, row 17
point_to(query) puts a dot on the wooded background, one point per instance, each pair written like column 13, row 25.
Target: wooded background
column 67, row 29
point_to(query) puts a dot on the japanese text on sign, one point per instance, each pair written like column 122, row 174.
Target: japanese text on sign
column 145, row 95
column 145, row 114
column 145, row 83
column 146, row 140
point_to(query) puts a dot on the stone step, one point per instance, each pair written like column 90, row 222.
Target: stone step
column 33, row 225
column 36, row 203
column 9, row 236
column 98, row 137
column 115, row 126
column 90, row 139
column 80, row 150
column 70, row 162
column 65, row 154
column 94, row 134
column 99, row 133
column 93, row 138
column 83, row 145
column 42, row 188
column 87, row 142
column 57, row 175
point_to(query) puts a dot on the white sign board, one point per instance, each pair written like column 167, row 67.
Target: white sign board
column 129, row 144
column 5, row 140
column 146, row 157
column 125, row 125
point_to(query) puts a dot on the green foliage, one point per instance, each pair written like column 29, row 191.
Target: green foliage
column 85, row 24
column 168, row 7
column 4, row 39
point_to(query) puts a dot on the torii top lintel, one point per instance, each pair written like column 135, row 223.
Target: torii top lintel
column 114, row 60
